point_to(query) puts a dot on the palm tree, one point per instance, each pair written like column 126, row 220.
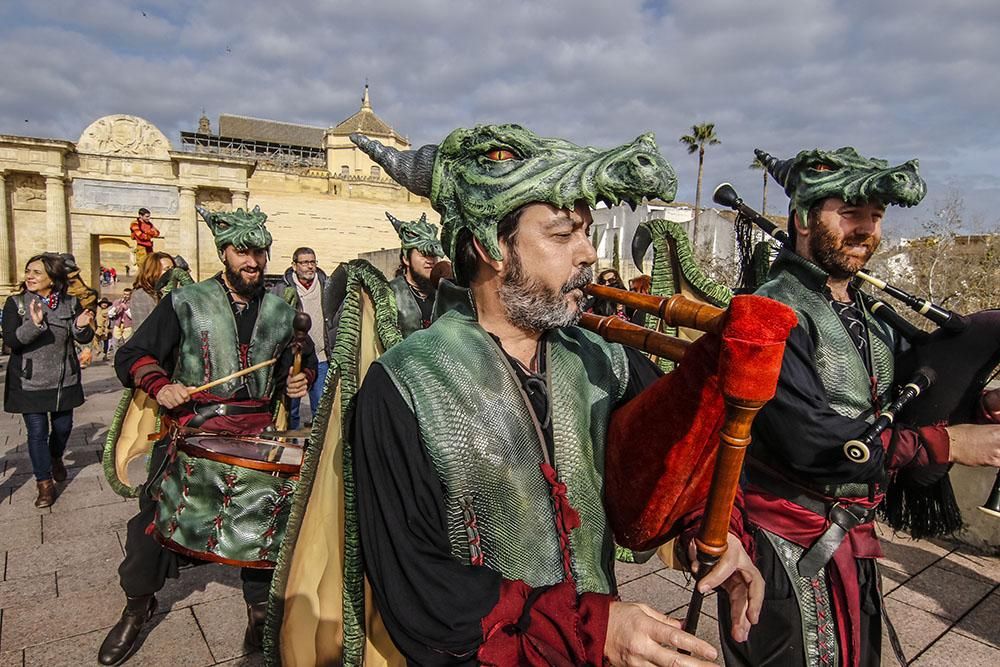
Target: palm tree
column 757, row 164
column 701, row 135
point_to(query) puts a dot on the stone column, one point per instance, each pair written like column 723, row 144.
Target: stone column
column 55, row 214
column 6, row 260
column 187, row 245
column 240, row 199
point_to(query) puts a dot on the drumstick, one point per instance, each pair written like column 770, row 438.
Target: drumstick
column 300, row 324
column 231, row 376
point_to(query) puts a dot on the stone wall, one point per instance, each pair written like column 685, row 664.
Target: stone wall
column 59, row 196
column 338, row 230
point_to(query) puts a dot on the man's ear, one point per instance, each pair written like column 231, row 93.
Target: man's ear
column 485, row 257
column 801, row 229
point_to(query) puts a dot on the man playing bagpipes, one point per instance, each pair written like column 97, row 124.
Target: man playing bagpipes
column 226, row 332
column 488, row 446
column 812, row 505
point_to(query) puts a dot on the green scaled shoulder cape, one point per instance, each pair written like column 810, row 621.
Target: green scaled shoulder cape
column 320, row 611
column 675, row 271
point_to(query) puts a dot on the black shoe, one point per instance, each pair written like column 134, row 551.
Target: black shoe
column 58, row 469
column 256, row 615
column 120, row 643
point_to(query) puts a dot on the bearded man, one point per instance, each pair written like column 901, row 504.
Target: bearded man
column 813, row 507
column 480, row 443
column 419, row 252
column 196, row 334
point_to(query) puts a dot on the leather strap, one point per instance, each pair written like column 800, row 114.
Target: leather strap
column 843, row 519
column 205, row 412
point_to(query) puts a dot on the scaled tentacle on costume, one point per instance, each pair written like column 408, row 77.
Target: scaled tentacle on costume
column 295, row 632
column 675, row 271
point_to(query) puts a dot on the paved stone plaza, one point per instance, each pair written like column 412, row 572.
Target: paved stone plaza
column 59, row 592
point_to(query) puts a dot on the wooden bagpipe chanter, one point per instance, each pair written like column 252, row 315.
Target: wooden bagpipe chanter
column 941, row 374
column 722, row 452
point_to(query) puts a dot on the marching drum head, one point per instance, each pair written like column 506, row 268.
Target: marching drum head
column 268, row 452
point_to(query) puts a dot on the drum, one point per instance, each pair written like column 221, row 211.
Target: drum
column 226, row 498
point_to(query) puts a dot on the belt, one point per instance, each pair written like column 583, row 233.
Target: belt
column 205, row 412
column 844, row 516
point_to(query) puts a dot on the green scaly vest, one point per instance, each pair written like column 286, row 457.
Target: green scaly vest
column 799, row 283
column 487, row 447
column 209, row 346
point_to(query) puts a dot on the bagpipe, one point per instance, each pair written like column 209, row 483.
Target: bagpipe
column 944, row 371
column 740, row 410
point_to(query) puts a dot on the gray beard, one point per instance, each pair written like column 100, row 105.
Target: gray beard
column 534, row 307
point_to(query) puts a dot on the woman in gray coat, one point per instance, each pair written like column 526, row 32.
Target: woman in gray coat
column 145, row 296
column 40, row 324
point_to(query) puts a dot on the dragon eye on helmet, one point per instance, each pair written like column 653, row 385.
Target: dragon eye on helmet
column 501, row 155
column 824, row 167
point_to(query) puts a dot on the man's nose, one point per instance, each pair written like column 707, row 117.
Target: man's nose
column 867, row 224
column 588, row 255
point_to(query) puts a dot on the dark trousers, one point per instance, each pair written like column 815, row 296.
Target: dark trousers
column 147, row 564
column 48, row 433
column 777, row 639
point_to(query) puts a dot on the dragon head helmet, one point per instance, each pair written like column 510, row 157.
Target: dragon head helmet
column 476, row 177
column 418, row 234
column 812, row 176
column 241, row 229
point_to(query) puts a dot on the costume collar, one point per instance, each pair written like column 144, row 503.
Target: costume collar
column 806, row 272
column 450, row 296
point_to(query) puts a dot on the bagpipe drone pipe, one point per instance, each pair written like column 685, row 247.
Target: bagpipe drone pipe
column 943, row 374
column 720, row 384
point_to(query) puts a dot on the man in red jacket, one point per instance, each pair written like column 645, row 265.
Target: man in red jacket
column 143, row 233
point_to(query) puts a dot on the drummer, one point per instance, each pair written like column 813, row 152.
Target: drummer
column 197, row 334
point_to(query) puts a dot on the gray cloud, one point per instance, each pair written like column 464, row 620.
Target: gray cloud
column 890, row 79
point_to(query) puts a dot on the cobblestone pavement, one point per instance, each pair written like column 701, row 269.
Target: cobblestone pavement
column 59, row 591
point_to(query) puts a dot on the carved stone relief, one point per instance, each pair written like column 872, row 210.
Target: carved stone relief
column 214, row 199
column 27, row 190
column 124, row 135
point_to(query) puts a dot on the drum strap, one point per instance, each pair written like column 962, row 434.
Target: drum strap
column 205, row 412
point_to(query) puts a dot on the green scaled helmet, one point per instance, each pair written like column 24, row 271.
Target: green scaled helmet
column 815, row 175
column 418, row 234
column 476, row 177
column 241, row 229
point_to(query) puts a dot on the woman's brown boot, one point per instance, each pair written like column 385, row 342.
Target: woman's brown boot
column 46, row 493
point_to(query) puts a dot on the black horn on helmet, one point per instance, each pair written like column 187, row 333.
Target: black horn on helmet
column 411, row 169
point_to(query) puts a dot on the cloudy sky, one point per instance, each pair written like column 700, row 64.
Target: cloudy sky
column 894, row 78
